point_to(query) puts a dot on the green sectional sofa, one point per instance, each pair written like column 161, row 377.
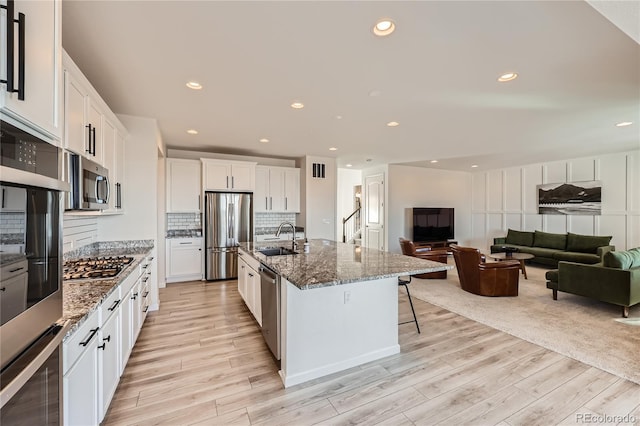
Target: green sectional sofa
column 549, row 248
column 616, row 280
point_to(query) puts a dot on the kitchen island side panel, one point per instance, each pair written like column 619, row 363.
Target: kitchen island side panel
column 330, row 329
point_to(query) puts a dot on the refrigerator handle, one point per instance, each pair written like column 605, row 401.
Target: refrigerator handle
column 233, row 223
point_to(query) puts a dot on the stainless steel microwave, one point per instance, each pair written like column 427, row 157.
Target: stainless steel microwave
column 89, row 184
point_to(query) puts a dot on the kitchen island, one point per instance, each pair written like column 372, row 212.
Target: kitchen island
column 339, row 305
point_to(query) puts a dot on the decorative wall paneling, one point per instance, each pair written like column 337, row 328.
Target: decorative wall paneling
column 79, row 231
column 507, row 198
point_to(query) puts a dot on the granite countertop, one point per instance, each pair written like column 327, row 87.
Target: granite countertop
column 82, row 297
column 330, row 263
column 9, row 258
column 184, row 233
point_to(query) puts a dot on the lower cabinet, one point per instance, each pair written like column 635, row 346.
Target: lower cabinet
column 95, row 355
column 249, row 285
column 184, row 259
column 80, row 374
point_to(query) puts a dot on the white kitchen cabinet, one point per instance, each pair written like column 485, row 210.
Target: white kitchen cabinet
column 249, row 285
column 126, row 320
column 223, row 175
column 119, row 175
column 109, row 158
column 13, row 292
column 13, row 199
column 40, row 104
column 184, row 259
column 277, row 190
column 183, row 186
column 81, row 396
column 109, row 354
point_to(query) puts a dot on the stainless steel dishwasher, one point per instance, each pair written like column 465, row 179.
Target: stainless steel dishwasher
column 270, row 286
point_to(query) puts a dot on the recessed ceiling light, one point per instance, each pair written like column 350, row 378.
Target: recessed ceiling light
column 393, row 124
column 349, row 165
column 333, row 148
column 375, row 93
column 474, row 166
column 507, row 77
column 624, row 123
column 192, row 132
column 194, row 85
column 338, row 117
column 384, row 27
column 434, row 161
column 264, row 140
column 297, row 105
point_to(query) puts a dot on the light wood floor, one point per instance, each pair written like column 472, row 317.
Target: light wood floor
column 201, row 360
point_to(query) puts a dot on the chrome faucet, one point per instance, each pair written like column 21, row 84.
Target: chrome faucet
column 294, row 244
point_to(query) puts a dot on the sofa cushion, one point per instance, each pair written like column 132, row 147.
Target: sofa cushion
column 539, row 251
column 623, row 259
column 519, row 238
column 586, row 243
column 572, row 256
column 549, row 240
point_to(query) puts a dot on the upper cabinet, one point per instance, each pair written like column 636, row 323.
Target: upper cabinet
column 30, row 64
column 277, row 189
column 93, row 131
column 183, row 186
column 223, row 175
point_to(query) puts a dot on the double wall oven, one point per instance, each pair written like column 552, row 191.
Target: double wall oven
column 31, row 331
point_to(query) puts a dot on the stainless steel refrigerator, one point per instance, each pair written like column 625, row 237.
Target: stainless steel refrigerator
column 228, row 222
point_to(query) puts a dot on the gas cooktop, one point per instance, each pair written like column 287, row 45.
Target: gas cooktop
column 95, row 267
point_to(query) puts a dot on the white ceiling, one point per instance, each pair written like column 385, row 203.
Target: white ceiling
column 436, row 76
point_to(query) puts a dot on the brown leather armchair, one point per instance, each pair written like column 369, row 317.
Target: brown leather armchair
column 410, row 249
column 485, row 279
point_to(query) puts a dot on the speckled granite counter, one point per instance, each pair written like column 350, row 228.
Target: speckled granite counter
column 10, row 258
column 330, row 263
column 81, row 297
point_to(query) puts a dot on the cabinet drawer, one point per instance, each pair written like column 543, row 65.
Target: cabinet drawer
column 185, row 242
column 128, row 283
column 251, row 262
column 73, row 347
column 110, row 305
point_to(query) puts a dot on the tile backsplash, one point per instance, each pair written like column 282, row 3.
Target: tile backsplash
column 176, row 221
column 272, row 220
column 12, row 223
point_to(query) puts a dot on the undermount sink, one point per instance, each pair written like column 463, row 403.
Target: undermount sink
column 277, row 251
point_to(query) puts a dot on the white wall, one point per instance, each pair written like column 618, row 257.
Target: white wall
column 347, row 179
column 507, row 198
column 162, row 225
column 140, row 196
column 318, row 199
column 409, row 187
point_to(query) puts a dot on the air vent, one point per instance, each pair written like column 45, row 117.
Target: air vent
column 318, row 170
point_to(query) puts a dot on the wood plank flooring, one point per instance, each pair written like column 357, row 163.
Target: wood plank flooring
column 201, row 360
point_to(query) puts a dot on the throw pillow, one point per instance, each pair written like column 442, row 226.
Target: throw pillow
column 623, row 259
column 549, row 240
column 586, row 243
column 519, row 238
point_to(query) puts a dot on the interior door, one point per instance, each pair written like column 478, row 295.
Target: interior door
column 374, row 212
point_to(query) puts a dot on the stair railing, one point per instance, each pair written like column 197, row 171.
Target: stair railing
column 351, row 225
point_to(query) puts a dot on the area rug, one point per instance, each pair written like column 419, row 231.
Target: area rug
column 583, row 329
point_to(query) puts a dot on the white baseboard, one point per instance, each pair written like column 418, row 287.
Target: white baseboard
column 304, row 376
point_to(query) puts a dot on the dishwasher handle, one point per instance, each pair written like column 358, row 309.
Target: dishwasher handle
column 268, row 275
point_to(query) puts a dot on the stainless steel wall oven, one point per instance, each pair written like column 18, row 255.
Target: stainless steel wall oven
column 31, row 206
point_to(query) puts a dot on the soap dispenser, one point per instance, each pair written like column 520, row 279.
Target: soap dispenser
column 307, row 246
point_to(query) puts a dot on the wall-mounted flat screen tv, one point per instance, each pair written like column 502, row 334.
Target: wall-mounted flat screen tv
column 433, row 224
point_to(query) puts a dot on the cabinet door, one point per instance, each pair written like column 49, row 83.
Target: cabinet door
column 185, row 260
column 42, row 79
column 276, row 188
column 183, row 186
column 243, row 177
column 254, row 280
column 261, row 193
column 13, row 199
column 135, row 301
column 292, row 190
column 80, row 389
column 13, row 297
column 109, row 159
column 126, row 320
column 94, row 118
column 242, row 279
column 109, row 360
column 76, row 135
column 217, row 176
column 120, row 174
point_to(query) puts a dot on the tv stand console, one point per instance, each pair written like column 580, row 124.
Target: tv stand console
column 437, row 244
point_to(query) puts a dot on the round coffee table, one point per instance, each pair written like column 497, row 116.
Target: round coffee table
column 521, row 257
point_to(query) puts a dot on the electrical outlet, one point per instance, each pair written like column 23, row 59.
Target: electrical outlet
column 347, row 297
